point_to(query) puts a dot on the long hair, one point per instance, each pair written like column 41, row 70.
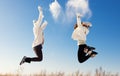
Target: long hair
column 75, row 26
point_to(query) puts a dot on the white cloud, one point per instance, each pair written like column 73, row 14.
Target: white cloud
column 72, row 7
column 77, row 6
column 55, row 9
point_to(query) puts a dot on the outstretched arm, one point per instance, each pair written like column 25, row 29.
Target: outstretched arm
column 78, row 19
column 39, row 21
column 44, row 24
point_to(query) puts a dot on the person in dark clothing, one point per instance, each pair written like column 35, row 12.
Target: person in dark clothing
column 81, row 29
column 38, row 40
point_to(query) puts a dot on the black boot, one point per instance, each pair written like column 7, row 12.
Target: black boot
column 28, row 60
column 90, row 48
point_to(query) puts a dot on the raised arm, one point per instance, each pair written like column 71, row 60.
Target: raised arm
column 39, row 21
column 44, row 24
column 78, row 16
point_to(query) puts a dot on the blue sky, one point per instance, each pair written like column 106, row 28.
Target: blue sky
column 59, row 50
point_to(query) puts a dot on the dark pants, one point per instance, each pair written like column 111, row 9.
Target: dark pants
column 81, row 54
column 38, row 52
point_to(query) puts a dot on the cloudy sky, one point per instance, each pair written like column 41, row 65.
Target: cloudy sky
column 59, row 50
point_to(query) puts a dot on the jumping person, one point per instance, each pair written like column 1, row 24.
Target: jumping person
column 38, row 40
column 81, row 29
